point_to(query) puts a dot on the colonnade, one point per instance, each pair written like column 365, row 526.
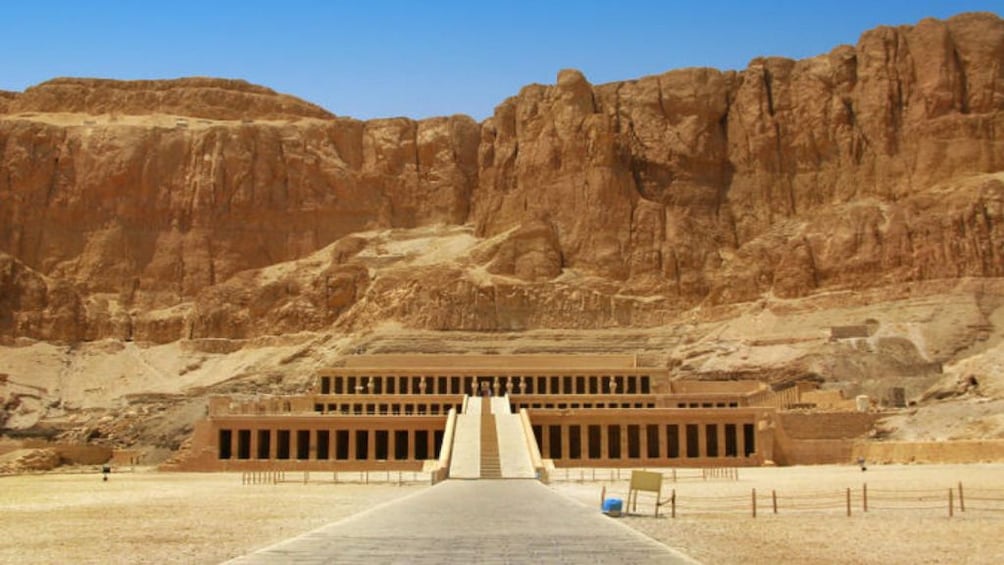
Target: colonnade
column 649, row 441
column 328, row 444
column 384, row 408
column 498, row 385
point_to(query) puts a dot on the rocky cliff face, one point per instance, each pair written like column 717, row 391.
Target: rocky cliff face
column 164, row 210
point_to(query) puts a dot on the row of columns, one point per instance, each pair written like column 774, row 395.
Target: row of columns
column 476, row 386
column 232, row 446
column 516, row 405
column 742, row 432
column 394, row 409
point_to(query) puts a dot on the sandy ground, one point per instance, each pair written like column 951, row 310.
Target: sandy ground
column 151, row 517
column 888, row 533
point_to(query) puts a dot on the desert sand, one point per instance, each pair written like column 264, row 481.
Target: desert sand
column 152, row 517
column 148, row 517
column 892, row 531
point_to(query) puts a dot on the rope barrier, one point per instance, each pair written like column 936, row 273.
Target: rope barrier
column 886, row 500
column 305, row 477
column 609, row 475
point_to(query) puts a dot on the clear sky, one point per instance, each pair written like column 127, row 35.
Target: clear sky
column 421, row 58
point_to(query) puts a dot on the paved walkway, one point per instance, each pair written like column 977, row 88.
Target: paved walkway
column 497, row 521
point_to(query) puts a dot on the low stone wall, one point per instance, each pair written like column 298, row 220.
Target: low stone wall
column 838, row 451
column 816, row 452
column 819, row 438
column 826, row 425
column 73, row 454
column 963, row 451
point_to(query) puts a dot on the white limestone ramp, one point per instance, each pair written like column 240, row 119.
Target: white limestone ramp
column 514, row 455
column 466, row 460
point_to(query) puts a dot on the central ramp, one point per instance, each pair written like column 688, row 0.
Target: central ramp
column 503, row 521
column 490, row 442
column 514, row 453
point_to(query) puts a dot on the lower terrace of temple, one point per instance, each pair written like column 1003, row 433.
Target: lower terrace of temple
column 396, row 412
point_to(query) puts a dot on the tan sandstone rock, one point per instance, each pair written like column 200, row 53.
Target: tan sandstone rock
column 156, row 210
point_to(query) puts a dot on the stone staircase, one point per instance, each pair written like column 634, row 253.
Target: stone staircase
column 491, row 466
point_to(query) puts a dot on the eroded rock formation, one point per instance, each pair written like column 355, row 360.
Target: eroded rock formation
column 194, row 208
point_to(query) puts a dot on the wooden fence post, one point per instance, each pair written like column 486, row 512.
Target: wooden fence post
column 848, row 501
column 951, row 509
column 754, row 503
column 673, row 507
column 962, row 499
column 773, row 496
column 864, row 497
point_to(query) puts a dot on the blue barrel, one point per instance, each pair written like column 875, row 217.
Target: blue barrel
column 613, row 506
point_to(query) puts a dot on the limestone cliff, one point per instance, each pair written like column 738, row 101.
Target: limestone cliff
column 199, row 208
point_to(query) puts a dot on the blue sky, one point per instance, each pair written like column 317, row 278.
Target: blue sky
column 424, row 58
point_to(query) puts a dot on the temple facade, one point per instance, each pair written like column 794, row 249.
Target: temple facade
column 451, row 415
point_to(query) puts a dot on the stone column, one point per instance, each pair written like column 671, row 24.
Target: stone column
column 391, row 445
column 254, row 444
column 740, row 440
column 702, row 440
column 371, row 445
column 624, row 441
column 643, row 441
column 604, row 443
column 721, row 439
column 663, row 442
column 566, row 449
column 411, row 445
column 545, row 441
column 352, row 444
